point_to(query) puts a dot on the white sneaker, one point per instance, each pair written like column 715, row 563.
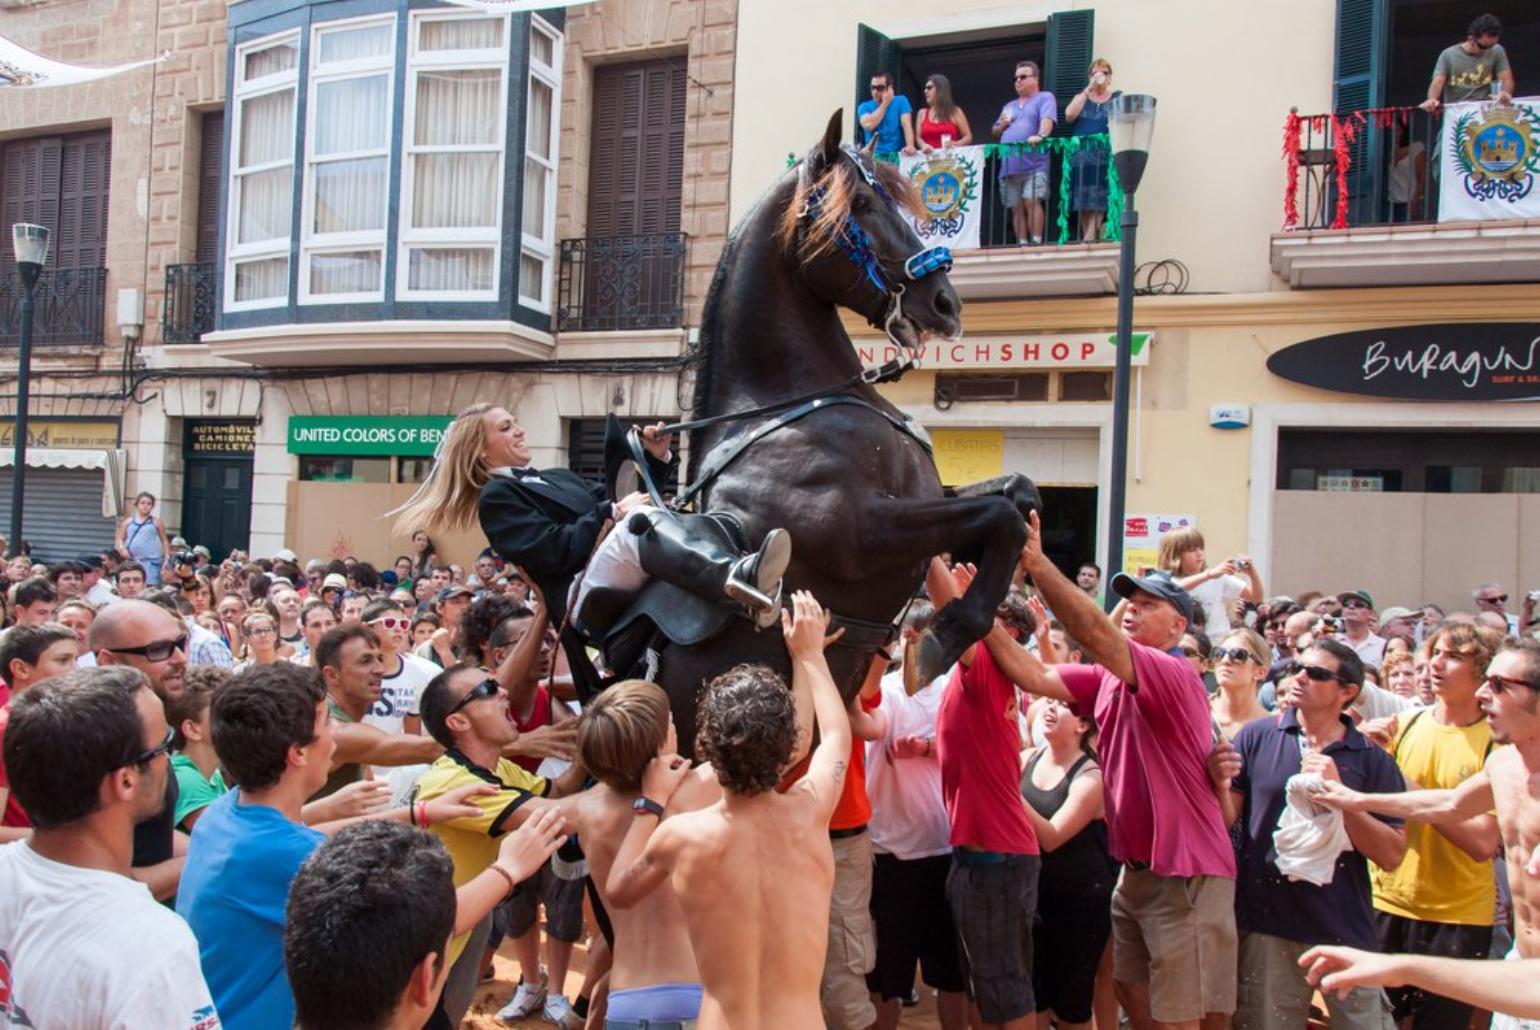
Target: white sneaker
column 558, row 1010
column 526, row 1001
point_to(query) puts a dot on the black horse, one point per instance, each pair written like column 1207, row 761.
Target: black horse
column 856, row 487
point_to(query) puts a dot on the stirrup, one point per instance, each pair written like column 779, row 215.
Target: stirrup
column 768, row 566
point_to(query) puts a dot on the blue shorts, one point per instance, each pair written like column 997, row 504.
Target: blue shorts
column 659, row 1007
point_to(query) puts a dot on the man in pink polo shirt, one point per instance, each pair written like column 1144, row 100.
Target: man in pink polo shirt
column 1173, row 914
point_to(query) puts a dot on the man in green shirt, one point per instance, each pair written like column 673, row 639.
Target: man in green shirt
column 1466, row 70
column 193, row 761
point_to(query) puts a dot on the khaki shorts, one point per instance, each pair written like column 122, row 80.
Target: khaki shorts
column 1275, row 994
column 1176, row 934
column 852, row 947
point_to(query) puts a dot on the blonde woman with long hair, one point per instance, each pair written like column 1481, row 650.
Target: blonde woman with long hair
column 552, row 524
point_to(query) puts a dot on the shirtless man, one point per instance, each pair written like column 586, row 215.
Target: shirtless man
column 751, row 871
column 1510, row 698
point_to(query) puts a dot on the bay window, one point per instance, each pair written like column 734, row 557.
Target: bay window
column 262, row 173
column 347, row 161
column 542, row 125
column 452, row 169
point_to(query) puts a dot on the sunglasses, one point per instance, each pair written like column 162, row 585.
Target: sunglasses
column 1319, row 673
column 1192, row 652
column 262, row 631
column 1499, row 599
column 485, row 689
column 146, row 757
column 156, row 652
column 1353, row 604
column 878, row 88
column 1238, row 654
column 1027, row 76
column 390, row 622
column 1497, row 684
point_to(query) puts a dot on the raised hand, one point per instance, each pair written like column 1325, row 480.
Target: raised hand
column 524, row 851
column 1335, row 968
column 662, row 777
column 805, row 626
column 656, row 442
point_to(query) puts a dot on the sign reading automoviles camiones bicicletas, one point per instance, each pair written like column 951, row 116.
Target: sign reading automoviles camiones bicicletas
column 1457, row 361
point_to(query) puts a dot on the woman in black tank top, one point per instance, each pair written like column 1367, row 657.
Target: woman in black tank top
column 1062, row 786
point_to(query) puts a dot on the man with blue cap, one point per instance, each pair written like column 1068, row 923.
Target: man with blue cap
column 1173, row 913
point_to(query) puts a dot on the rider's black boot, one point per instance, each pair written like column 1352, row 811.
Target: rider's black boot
column 691, row 552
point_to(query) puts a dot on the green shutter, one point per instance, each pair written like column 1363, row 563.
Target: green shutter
column 874, row 53
column 1070, row 38
column 1358, row 81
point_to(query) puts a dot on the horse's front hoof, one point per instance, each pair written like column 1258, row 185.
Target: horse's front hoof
column 931, row 658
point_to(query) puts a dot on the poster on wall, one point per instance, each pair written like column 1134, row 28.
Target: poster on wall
column 1457, row 361
column 948, row 182
column 968, row 455
column 1489, row 161
column 1141, row 539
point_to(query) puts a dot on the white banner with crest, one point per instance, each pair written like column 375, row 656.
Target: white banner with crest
column 950, row 183
column 1489, row 165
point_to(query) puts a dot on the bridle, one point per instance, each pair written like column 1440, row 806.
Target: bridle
column 856, row 244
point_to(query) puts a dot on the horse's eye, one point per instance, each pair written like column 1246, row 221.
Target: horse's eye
column 860, row 204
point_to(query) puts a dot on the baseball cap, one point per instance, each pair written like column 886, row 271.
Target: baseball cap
column 284, row 554
column 1395, row 611
column 453, row 590
column 1161, row 585
column 334, row 581
column 203, row 551
column 1362, row 595
column 313, row 564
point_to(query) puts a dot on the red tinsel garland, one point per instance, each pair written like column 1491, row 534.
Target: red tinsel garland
column 1342, row 132
column 1291, row 128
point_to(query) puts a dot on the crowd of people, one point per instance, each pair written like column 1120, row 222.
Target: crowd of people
column 888, row 124
column 257, row 794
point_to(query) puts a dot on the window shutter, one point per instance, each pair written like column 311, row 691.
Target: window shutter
column 1071, row 35
column 210, row 161
column 874, row 53
column 31, row 175
column 1358, row 81
column 81, row 234
column 636, row 161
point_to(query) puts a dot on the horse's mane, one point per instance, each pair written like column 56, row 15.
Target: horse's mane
column 840, row 184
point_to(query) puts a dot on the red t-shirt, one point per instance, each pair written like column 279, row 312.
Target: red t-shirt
column 539, row 715
column 1154, row 742
column 979, row 744
column 853, row 808
column 14, row 814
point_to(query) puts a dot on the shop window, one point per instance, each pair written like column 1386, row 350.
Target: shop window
column 321, row 469
column 1521, row 481
column 1453, row 479
column 1027, row 386
column 1085, row 386
column 413, row 470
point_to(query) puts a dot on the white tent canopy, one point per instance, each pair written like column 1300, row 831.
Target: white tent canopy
column 20, row 68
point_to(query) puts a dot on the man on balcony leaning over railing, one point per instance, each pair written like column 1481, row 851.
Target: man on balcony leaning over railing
column 1466, row 71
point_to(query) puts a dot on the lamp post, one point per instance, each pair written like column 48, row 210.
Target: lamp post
column 30, row 244
column 1131, row 123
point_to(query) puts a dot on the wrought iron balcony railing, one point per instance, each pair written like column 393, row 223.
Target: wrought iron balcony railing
column 68, row 307
column 622, row 282
column 192, row 297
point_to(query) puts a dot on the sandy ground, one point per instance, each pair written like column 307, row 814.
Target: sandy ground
column 494, row 995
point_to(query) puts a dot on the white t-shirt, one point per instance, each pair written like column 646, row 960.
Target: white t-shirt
column 909, row 818
column 1370, row 650
column 101, row 593
column 401, row 696
column 82, row 949
column 1214, row 596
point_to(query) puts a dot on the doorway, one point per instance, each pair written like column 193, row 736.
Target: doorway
column 216, row 495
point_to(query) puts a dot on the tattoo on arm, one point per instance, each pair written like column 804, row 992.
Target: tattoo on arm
column 838, row 772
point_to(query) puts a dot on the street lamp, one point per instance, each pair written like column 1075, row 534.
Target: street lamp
column 30, row 244
column 1131, row 124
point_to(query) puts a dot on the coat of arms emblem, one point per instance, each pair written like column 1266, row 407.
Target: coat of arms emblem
column 1498, row 152
column 948, row 184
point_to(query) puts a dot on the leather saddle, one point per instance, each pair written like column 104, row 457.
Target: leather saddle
column 623, row 625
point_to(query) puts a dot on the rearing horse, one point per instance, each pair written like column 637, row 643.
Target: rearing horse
column 859, row 492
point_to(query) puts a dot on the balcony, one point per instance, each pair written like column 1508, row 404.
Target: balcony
column 192, row 298
column 68, row 307
column 1360, row 208
column 621, row 283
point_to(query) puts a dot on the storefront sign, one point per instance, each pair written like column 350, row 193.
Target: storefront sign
column 1460, row 361
column 409, row 436
column 968, row 455
column 1023, row 353
column 1351, row 484
column 1141, row 539
column 88, row 436
column 238, row 438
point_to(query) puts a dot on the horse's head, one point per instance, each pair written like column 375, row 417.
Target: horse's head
column 847, row 236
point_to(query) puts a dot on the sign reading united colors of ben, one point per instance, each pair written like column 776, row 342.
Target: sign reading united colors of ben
column 407, row 436
column 1458, row 361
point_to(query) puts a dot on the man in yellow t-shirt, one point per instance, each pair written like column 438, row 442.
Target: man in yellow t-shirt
column 466, row 710
column 1441, row 900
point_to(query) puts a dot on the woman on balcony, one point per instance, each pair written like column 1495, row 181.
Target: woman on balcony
column 1088, row 113
column 942, row 122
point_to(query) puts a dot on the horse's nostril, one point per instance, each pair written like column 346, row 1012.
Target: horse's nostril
column 945, row 306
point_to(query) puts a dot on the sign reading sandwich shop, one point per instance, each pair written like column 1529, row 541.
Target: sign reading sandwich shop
column 1026, row 353
column 408, row 436
column 1459, row 361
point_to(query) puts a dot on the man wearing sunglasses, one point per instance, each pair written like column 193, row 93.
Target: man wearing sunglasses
column 1440, row 901
column 1358, row 619
column 1280, row 916
column 401, row 686
column 1491, row 597
column 887, row 117
column 1468, row 70
column 84, row 945
column 1176, row 897
column 148, row 638
column 1509, row 697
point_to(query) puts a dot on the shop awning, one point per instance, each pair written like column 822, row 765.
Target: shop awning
column 55, row 458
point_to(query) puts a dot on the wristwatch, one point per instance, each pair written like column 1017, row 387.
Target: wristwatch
column 647, row 806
